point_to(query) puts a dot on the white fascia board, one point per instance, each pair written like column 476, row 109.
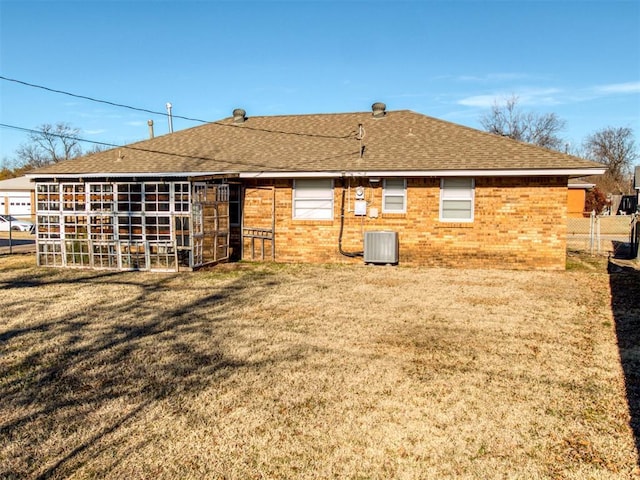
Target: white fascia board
column 548, row 172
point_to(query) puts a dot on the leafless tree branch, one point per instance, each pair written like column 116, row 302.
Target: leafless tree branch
column 507, row 120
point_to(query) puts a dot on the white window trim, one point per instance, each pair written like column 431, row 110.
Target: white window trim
column 471, row 198
column 385, row 195
column 295, row 200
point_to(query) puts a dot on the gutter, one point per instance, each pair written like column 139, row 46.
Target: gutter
column 546, row 172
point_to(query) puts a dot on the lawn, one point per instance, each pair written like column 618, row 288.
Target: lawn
column 289, row 371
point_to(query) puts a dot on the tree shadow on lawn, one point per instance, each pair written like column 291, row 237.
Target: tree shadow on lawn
column 88, row 366
column 624, row 283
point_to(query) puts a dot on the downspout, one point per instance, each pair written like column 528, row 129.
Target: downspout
column 342, row 252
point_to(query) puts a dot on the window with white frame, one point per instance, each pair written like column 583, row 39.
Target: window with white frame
column 456, row 199
column 48, row 197
column 313, row 199
column 394, row 195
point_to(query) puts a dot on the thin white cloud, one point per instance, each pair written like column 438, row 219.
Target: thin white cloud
column 493, row 77
column 528, row 96
column 479, row 100
column 136, row 123
column 489, row 77
column 615, row 88
column 94, row 132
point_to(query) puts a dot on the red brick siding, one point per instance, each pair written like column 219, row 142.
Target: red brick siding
column 519, row 223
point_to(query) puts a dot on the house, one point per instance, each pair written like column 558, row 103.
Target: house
column 17, row 198
column 378, row 186
column 577, row 196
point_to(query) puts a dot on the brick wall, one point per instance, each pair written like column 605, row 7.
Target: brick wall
column 519, row 223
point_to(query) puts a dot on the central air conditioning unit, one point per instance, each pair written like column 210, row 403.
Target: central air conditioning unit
column 381, row 247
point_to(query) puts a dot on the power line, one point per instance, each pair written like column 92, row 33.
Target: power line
column 92, row 99
column 113, row 145
column 147, row 150
column 153, row 112
column 59, row 135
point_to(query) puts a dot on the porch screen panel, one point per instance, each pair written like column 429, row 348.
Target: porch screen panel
column 101, row 197
column 76, row 241
column 130, row 228
column 48, row 197
column 116, row 225
column 73, row 197
column 157, row 197
column 129, row 197
column 104, row 253
column 49, row 251
column 210, row 221
column 181, row 197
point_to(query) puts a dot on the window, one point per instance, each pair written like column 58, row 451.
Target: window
column 313, row 199
column 48, row 226
column 101, row 197
column 156, row 197
column 129, row 197
column 181, row 200
column 130, row 228
column 394, row 195
column 73, row 197
column 456, row 199
column 101, row 227
column 234, row 204
column 48, row 196
column 157, row 228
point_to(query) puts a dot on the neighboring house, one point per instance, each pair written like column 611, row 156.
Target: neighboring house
column 577, row 196
column 393, row 186
column 17, row 197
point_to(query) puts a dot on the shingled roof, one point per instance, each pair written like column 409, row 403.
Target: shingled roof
column 400, row 142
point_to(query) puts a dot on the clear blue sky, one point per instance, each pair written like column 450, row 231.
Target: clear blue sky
column 447, row 59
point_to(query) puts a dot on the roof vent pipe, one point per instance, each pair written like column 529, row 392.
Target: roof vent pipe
column 378, row 109
column 150, row 123
column 239, row 115
column 170, row 117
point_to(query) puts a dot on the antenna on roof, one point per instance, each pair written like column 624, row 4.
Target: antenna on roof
column 170, row 117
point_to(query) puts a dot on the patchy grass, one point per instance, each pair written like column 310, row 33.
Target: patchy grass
column 271, row 371
column 578, row 260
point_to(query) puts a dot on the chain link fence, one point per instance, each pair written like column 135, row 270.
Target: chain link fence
column 613, row 235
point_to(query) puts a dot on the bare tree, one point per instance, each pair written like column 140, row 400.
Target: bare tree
column 615, row 148
column 508, row 120
column 50, row 144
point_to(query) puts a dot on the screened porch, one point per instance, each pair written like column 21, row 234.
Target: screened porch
column 154, row 224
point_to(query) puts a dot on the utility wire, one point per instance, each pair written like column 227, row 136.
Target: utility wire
column 153, row 112
column 84, row 97
column 113, row 145
column 149, row 150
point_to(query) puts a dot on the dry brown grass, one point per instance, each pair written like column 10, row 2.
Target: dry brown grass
column 267, row 371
